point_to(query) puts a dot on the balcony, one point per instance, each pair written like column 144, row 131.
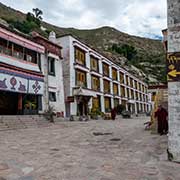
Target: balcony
column 15, row 59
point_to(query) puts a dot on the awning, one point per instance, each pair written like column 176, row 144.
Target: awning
column 84, row 92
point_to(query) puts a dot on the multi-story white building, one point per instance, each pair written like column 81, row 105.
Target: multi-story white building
column 91, row 80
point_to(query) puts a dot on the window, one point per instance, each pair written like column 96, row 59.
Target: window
column 121, row 77
column 116, row 102
column 131, row 82
column 128, row 93
column 52, row 96
column 51, row 66
column 132, row 94
column 123, row 102
column 94, row 64
column 122, row 91
column 115, row 89
column 81, row 78
column 127, row 80
column 80, row 56
column 96, row 103
column 28, row 58
column 95, row 83
column 107, row 104
column 136, row 85
column 114, row 74
column 137, row 95
column 105, row 69
column 106, row 86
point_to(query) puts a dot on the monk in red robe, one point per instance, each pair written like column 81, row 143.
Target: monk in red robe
column 161, row 114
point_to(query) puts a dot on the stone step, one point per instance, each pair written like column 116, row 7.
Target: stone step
column 22, row 122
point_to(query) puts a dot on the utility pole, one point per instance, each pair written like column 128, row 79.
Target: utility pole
column 173, row 74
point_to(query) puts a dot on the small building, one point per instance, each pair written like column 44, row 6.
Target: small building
column 51, row 66
column 93, row 81
column 21, row 79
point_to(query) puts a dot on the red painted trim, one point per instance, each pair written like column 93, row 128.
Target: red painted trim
column 21, row 41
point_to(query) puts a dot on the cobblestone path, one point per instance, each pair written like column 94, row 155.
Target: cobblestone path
column 93, row 150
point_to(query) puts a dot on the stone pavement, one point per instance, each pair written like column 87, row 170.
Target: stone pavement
column 93, row 150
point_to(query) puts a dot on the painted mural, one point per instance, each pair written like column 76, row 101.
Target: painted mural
column 18, row 84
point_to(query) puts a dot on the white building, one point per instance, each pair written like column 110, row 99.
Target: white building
column 51, row 66
column 91, row 80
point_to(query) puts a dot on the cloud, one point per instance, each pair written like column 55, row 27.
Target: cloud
column 136, row 17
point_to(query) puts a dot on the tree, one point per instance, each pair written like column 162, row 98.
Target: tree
column 126, row 50
column 38, row 13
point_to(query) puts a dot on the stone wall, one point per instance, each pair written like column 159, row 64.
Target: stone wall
column 174, row 87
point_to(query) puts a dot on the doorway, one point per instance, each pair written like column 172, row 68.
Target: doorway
column 8, row 103
column 82, row 105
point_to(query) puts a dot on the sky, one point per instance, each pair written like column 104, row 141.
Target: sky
column 144, row 18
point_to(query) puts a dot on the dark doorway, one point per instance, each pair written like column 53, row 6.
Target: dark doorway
column 82, row 107
column 8, row 103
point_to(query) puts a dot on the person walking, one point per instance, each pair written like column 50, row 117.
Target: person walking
column 161, row 114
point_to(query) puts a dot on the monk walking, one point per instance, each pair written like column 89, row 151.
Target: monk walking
column 161, row 115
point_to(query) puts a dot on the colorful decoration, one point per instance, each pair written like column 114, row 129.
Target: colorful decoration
column 3, row 84
column 22, row 87
column 36, row 86
column 173, row 66
column 19, row 84
column 13, row 82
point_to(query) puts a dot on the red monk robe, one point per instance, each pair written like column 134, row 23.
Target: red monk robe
column 161, row 115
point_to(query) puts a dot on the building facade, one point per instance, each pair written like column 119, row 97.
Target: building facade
column 31, row 78
column 91, row 80
column 51, row 66
column 21, row 80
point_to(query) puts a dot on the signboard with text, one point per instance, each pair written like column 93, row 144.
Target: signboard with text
column 173, row 66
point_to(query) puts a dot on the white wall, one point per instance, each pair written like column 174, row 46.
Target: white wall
column 53, row 84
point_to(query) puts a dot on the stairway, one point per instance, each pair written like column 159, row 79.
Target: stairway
column 22, row 122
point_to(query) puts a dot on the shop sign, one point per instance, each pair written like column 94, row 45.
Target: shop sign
column 173, row 66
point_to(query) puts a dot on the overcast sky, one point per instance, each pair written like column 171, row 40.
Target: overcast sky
column 137, row 17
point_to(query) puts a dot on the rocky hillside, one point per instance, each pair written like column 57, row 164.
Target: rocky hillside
column 142, row 56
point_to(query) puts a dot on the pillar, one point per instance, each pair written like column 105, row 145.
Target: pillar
column 174, row 82
column 20, row 104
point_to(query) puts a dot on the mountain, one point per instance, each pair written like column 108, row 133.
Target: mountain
column 142, row 56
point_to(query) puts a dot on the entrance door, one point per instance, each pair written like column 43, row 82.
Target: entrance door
column 82, row 107
column 8, row 103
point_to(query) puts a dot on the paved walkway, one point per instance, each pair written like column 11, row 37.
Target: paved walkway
column 93, row 150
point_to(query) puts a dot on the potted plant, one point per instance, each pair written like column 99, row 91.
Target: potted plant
column 49, row 114
column 95, row 113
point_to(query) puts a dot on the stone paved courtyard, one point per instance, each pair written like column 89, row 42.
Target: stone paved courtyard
column 93, row 150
